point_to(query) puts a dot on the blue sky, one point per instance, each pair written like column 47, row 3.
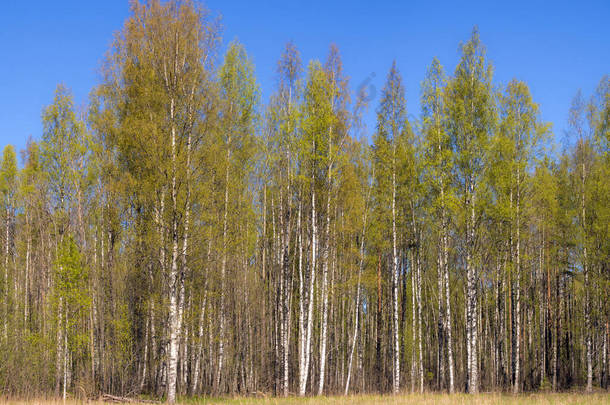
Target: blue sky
column 556, row 47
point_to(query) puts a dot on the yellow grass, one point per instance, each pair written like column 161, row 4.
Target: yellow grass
column 426, row 399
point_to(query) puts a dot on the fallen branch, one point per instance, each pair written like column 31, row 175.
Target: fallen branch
column 113, row 398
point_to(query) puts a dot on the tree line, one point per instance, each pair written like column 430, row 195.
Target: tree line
column 179, row 237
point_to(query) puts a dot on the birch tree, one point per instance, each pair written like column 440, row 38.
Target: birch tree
column 391, row 125
column 155, row 80
column 317, row 122
column 439, row 160
column 8, row 188
column 577, row 124
column 162, row 241
column 239, row 94
column 520, row 131
column 470, row 109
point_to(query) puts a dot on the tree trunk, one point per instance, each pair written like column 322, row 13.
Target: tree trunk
column 303, row 305
column 304, row 366
column 59, row 347
column 357, row 306
column 65, row 353
column 585, row 267
column 324, row 326
column 448, row 326
column 378, row 330
column 6, row 283
column 223, row 271
column 286, row 294
column 440, row 324
column 175, row 279
column 396, row 341
column 604, row 382
column 419, row 322
column 471, row 296
column 517, row 335
column 145, row 360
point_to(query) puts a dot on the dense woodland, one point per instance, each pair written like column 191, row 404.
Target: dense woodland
column 180, row 236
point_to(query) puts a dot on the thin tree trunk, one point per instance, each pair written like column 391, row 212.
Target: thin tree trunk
column 302, row 305
column 419, row 322
column 324, row 326
column 448, row 326
column 197, row 366
column 414, row 362
column 59, row 347
column 174, row 279
column 223, row 270
column 604, row 382
column 396, row 341
column 585, row 267
column 556, row 324
column 357, row 307
column 65, row 353
column 325, row 258
column 146, row 337
column 543, row 314
column 378, row 331
column 308, row 338
column 517, row 341
column 440, row 363
column 184, row 257
column 6, row 284
column 286, row 295
column 356, row 324
column 471, row 296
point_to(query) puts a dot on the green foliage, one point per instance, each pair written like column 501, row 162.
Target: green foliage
column 470, row 106
column 388, row 153
column 72, row 291
column 318, row 119
column 64, row 148
column 172, row 201
column 8, row 173
column 438, row 153
column 240, row 96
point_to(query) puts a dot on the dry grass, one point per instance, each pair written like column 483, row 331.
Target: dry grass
column 427, row 399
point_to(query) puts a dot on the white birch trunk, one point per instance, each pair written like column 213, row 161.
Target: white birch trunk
column 419, row 328
column 587, row 308
column 414, row 323
column 441, row 322
column 448, row 315
column 324, row 326
column 445, row 274
column 59, row 347
column 357, row 311
column 357, row 308
column 174, row 280
column 6, row 289
column 197, row 365
column 471, row 303
column 223, row 270
column 396, row 341
column 304, row 370
column 145, row 361
column 65, row 354
column 285, row 294
column 26, row 298
column 516, row 384
column 302, row 302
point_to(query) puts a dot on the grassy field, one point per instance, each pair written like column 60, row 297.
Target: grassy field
column 427, row 399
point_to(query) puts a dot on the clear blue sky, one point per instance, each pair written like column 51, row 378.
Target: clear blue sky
column 556, row 47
